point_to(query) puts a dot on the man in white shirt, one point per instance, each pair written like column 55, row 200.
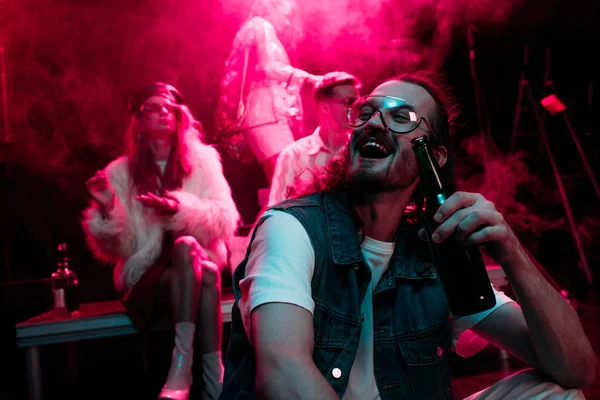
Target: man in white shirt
column 333, row 96
column 337, row 297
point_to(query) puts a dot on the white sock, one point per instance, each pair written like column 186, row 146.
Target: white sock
column 212, row 375
column 184, row 337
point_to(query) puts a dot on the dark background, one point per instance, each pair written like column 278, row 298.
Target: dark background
column 71, row 65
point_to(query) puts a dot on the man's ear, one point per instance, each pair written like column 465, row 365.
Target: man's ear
column 441, row 155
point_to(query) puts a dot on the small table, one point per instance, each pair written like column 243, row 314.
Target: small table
column 95, row 321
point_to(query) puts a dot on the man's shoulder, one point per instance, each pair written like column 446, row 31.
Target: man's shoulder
column 299, row 146
column 257, row 23
column 313, row 200
column 252, row 30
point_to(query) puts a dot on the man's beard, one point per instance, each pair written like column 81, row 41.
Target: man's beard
column 368, row 182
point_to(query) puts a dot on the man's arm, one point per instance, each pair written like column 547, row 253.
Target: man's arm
column 282, row 336
column 546, row 331
column 273, row 58
column 276, row 306
column 284, row 174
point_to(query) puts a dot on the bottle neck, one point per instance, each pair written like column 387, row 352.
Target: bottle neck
column 431, row 184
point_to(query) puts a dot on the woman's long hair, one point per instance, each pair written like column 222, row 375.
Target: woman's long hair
column 146, row 175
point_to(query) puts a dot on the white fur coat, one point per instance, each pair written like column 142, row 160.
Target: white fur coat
column 131, row 238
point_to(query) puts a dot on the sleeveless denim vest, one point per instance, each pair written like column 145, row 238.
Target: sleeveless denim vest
column 412, row 335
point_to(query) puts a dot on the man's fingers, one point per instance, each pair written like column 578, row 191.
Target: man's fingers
column 456, row 202
column 422, row 234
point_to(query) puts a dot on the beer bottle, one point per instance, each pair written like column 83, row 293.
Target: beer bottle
column 460, row 268
column 65, row 285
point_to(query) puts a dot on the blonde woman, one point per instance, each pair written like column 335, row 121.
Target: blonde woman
column 162, row 215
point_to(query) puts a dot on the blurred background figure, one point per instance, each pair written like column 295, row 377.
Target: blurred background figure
column 260, row 110
column 162, row 215
column 333, row 96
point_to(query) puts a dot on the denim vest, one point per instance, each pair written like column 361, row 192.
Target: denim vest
column 412, row 335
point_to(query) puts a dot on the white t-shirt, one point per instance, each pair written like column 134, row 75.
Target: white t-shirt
column 162, row 164
column 280, row 270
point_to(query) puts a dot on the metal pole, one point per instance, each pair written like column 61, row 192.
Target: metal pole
column 586, row 164
column 522, row 83
column 34, row 373
column 6, row 138
column 484, row 124
column 561, row 189
column 547, row 67
column 548, row 83
column 4, row 167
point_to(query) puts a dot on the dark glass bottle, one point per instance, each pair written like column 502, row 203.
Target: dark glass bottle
column 461, row 268
column 65, row 285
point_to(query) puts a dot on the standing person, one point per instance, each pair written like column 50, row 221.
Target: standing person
column 333, row 96
column 162, row 214
column 338, row 296
column 260, row 109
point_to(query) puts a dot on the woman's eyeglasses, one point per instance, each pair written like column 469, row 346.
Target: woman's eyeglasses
column 150, row 108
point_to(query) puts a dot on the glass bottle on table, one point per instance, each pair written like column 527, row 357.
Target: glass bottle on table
column 65, row 285
column 461, row 268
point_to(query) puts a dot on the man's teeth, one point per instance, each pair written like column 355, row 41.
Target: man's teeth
column 375, row 144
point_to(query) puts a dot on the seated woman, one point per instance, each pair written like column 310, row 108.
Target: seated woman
column 162, row 215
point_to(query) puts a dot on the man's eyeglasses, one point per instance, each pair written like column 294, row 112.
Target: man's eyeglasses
column 149, row 108
column 397, row 114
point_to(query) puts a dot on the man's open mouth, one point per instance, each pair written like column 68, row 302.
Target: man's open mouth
column 373, row 147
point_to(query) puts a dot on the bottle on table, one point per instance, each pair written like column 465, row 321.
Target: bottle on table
column 65, row 285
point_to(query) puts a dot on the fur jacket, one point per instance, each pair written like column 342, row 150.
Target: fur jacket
column 131, row 237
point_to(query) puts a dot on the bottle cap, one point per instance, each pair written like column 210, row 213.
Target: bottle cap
column 420, row 139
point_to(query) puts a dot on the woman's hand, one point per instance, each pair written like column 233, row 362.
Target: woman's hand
column 164, row 205
column 101, row 191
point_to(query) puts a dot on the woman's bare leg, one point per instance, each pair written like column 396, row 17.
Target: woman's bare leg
column 185, row 282
column 186, row 279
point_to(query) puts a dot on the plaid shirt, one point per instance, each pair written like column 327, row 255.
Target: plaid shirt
column 298, row 160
